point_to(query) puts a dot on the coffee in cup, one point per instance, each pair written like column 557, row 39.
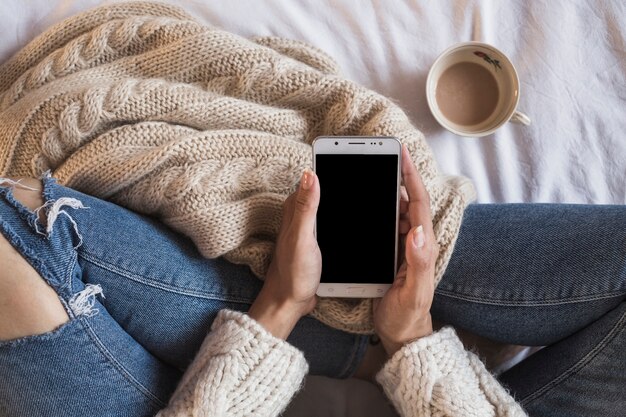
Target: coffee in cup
column 472, row 89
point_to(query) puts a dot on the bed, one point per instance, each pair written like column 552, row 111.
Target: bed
column 571, row 60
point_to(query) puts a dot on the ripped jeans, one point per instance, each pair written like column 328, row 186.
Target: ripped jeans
column 141, row 299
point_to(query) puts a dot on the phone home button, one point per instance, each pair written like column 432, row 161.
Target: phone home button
column 355, row 290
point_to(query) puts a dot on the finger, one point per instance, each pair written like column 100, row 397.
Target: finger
column 401, row 250
column 288, row 206
column 419, row 200
column 418, row 252
column 399, row 281
column 404, row 200
column 403, row 194
column 404, row 206
column 306, row 202
column 404, row 227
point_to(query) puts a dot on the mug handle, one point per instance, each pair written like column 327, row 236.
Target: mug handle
column 521, row 118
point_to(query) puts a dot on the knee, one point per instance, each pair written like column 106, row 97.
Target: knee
column 28, row 191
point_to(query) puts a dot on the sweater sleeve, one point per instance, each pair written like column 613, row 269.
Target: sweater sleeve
column 435, row 375
column 240, row 370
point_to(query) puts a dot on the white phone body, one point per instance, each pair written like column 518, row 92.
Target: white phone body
column 356, row 146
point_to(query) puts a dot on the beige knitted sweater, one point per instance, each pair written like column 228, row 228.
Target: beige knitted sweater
column 242, row 370
column 140, row 104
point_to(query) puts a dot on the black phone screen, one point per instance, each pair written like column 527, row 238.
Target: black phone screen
column 356, row 219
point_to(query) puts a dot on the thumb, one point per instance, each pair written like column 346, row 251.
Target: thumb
column 417, row 254
column 307, row 202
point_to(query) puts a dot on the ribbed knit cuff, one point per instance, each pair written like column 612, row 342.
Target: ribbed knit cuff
column 418, row 368
column 239, row 331
column 276, row 368
column 439, row 345
column 436, row 375
column 237, row 321
column 240, row 369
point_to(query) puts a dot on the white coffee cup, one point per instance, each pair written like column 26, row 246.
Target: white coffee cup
column 505, row 77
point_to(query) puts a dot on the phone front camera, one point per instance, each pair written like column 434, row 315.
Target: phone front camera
column 336, row 143
column 380, row 143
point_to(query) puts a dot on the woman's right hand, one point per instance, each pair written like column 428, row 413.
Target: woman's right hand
column 403, row 314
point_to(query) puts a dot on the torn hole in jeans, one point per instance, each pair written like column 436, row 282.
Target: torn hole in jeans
column 82, row 303
column 18, row 183
column 54, row 211
column 52, row 208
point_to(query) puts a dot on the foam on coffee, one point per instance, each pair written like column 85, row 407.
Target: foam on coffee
column 467, row 93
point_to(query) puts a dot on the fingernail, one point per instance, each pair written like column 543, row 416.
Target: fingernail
column 307, row 179
column 418, row 236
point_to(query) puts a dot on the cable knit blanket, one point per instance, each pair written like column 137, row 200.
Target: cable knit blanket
column 139, row 104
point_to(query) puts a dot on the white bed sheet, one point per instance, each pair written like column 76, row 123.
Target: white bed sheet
column 570, row 56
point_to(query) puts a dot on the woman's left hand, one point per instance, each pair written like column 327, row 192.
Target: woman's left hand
column 403, row 314
column 294, row 273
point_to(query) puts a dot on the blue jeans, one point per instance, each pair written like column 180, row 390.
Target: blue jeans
column 122, row 352
column 546, row 275
column 123, row 355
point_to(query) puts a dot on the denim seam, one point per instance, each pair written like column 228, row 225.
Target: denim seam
column 27, row 215
column 98, row 344
column 118, row 366
column 39, row 337
column 530, row 303
column 351, row 365
column 138, row 278
column 578, row 366
column 363, row 346
column 48, row 182
column 67, row 281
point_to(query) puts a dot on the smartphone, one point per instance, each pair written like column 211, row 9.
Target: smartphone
column 357, row 219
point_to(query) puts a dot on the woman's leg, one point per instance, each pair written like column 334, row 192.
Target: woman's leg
column 165, row 295
column 61, row 353
column 546, row 274
column 581, row 375
column 533, row 274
